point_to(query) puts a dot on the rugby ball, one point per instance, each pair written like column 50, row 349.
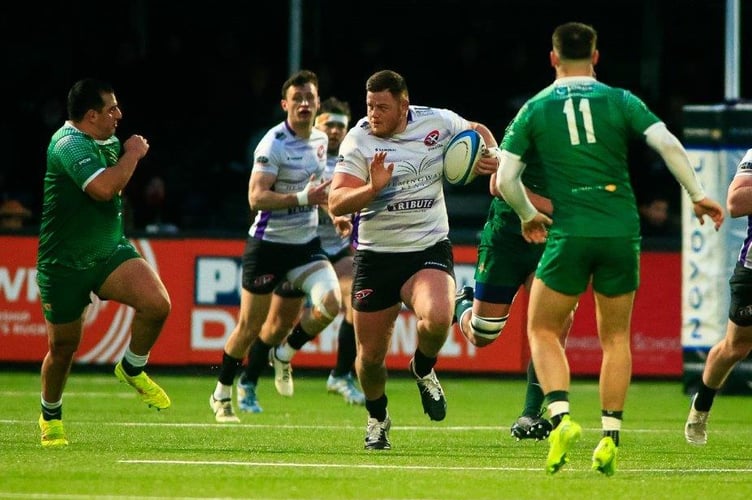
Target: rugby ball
column 460, row 156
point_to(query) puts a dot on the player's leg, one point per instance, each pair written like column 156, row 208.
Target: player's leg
column 429, row 293
column 341, row 380
column 723, row 356
column 615, row 280
column 135, row 283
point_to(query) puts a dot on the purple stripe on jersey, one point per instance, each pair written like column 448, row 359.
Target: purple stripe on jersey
column 289, row 129
column 262, row 223
column 355, row 223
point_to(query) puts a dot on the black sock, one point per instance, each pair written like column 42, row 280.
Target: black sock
column 346, row 350
column 229, row 369
column 533, row 393
column 258, row 359
column 52, row 414
column 131, row 370
column 613, row 435
column 298, row 337
column 377, row 408
column 422, row 365
column 705, row 397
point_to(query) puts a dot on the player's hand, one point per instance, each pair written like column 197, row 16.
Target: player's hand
column 318, row 192
column 342, row 224
column 137, row 145
column 380, row 174
column 488, row 162
column 536, row 229
column 712, row 209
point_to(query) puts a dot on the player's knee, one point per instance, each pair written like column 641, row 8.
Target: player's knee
column 485, row 330
column 156, row 309
column 324, row 293
column 329, row 305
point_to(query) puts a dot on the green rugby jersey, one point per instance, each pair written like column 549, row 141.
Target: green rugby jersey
column 76, row 230
column 581, row 129
column 500, row 214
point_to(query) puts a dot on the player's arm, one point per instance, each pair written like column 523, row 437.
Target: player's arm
column 509, row 183
column 675, row 156
column 541, row 203
column 110, row 181
column 349, row 194
column 261, row 196
column 488, row 162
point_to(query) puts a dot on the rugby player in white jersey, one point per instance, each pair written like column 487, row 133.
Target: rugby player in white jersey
column 390, row 172
column 282, row 248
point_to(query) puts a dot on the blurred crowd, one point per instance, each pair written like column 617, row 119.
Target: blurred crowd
column 202, row 86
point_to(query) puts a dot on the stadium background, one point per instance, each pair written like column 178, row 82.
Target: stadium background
column 201, row 82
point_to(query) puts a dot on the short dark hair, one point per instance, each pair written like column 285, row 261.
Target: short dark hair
column 574, row 41
column 334, row 105
column 388, row 80
column 86, row 94
column 299, row 78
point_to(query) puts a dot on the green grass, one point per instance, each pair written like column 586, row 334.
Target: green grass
column 311, row 445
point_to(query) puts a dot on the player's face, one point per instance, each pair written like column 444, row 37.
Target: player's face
column 301, row 104
column 106, row 119
column 387, row 115
column 335, row 132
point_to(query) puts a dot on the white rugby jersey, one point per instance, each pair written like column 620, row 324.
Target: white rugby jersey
column 331, row 242
column 409, row 214
column 293, row 160
column 745, row 254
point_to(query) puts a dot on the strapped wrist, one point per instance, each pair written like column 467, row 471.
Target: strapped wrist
column 302, row 197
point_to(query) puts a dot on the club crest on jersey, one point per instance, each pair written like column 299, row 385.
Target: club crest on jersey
column 321, row 152
column 432, row 138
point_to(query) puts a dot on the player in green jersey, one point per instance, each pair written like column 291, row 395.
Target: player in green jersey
column 82, row 249
column 580, row 128
column 505, row 262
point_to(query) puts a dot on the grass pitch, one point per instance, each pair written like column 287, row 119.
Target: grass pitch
column 311, row 446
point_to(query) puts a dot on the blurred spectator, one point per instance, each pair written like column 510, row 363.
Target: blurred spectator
column 155, row 221
column 656, row 219
column 13, row 215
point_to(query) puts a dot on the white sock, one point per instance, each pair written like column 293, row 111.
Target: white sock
column 558, row 407
column 135, row 360
column 222, row 391
column 284, row 352
column 611, row 423
column 51, row 406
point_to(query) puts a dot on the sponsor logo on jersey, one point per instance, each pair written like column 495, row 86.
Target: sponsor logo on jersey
column 262, row 160
column 321, row 153
column 747, row 165
column 410, row 205
column 431, row 138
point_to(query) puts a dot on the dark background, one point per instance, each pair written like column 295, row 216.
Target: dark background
column 202, row 82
